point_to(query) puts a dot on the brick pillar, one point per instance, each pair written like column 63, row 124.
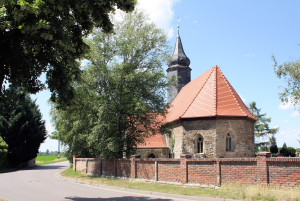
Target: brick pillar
column 115, row 167
column 98, row 166
column 74, row 163
column 262, row 167
column 133, row 165
column 86, row 165
column 218, row 172
column 156, row 170
column 184, row 168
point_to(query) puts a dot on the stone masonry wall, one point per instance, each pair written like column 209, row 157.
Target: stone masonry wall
column 214, row 132
column 205, row 171
column 242, row 138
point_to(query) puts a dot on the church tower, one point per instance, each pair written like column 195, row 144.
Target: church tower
column 178, row 70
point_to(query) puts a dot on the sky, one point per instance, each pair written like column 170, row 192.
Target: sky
column 238, row 36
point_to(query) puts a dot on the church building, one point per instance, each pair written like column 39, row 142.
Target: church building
column 207, row 117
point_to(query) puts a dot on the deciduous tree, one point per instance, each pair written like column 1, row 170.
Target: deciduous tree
column 290, row 72
column 39, row 36
column 121, row 93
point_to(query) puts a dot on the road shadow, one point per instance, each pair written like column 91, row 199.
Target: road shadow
column 125, row 198
column 44, row 167
column 48, row 167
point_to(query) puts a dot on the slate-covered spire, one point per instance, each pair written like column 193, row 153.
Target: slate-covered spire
column 179, row 58
column 179, row 70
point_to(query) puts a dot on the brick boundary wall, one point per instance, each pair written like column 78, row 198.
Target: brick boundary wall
column 261, row 170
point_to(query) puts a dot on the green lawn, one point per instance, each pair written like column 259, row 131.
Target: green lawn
column 250, row 192
column 44, row 160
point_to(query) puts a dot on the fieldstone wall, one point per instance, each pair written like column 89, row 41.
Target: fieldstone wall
column 242, row 138
column 214, row 132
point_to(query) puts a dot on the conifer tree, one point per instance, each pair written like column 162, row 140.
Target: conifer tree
column 262, row 132
column 21, row 126
column 273, row 147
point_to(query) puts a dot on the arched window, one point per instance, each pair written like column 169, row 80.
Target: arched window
column 228, row 142
column 200, row 145
column 151, row 155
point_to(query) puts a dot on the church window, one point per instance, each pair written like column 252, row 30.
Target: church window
column 200, row 145
column 228, row 142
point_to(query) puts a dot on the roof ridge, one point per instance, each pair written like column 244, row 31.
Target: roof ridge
column 231, row 88
column 197, row 92
column 216, row 91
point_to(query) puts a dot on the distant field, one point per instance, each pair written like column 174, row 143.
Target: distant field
column 44, row 160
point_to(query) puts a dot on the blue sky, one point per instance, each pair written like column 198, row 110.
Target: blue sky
column 238, row 36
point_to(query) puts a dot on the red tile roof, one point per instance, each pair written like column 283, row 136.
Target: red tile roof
column 156, row 140
column 209, row 95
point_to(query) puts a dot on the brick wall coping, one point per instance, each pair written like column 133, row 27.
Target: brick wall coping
column 221, row 159
column 284, row 159
column 84, row 159
column 277, row 159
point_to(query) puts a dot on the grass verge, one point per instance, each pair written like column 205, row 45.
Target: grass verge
column 232, row 191
column 44, row 160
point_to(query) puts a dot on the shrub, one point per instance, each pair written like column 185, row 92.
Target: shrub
column 3, row 152
column 287, row 151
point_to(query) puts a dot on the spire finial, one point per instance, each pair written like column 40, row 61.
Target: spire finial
column 179, row 58
column 178, row 21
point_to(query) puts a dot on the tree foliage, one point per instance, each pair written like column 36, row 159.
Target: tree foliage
column 273, row 145
column 262, row 132
column 290, row 71
column 39, row 36
column 287, row 151
column 3, row 152
column 121, row 93
column 21, row 126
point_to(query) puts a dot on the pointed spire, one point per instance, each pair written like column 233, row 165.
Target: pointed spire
column 179, row 58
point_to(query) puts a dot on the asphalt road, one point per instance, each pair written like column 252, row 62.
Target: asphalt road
column 45, row 184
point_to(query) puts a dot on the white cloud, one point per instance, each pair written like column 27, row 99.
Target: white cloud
column 295, row 114
column 286, row 105
column 285, row 121
column 289, row 106
column 160, row 12
column 289, row 136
